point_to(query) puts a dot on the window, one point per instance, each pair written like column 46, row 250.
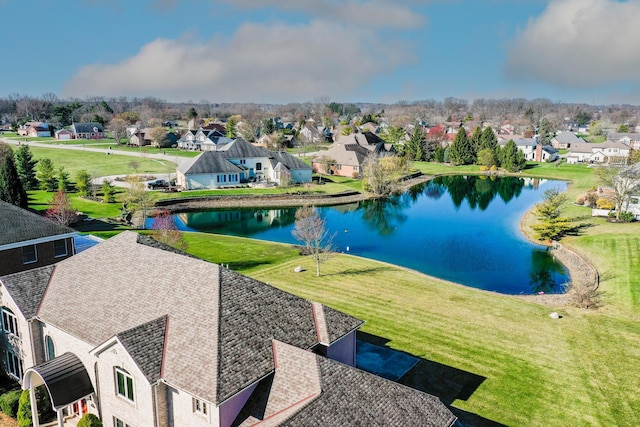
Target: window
column 117, row 422
column 634, row 201
column 199, row 406
column 14, row 364
column 59, row 248
column 9, row 322
column 49, row 348
column 29, row 254
column 124, row 383
column 243, row 161
column 258, row 166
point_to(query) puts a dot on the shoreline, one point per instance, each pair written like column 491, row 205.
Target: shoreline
column 581, row 271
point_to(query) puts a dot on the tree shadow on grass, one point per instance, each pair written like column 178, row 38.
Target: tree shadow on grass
column 350, row 271
column 445, row 382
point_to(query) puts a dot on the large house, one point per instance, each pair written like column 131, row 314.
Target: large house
column 29, row 240
column 88, row 130
column 631, row 140
column 202, row 140
column 532, row 150
column 235, row 162
column 349, row 152
column 564, row 140
column 606, row 152
column 35, row 129
column 159, row 338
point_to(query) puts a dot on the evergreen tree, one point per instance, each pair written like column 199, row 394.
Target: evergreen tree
column 461, row 152
column 232, row 132
column 414, row 148
column 26, row 164
column 544, row 132
column 46, row 174
column 11, row 189
column 438, row 155
column 475, row 142
column 63, row 179
column 488, row 139
column 83, row 183
column 512, row 159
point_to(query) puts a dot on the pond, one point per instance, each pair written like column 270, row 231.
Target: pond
column 459, row 228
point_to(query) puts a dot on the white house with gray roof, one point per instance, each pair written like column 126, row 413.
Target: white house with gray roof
column 236, row 162
column 606, row 152
column 161, row 338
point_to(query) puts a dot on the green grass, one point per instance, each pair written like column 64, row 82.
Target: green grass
column 539, row 371
column 39, row 200
column 579, row 370
column 99, row 164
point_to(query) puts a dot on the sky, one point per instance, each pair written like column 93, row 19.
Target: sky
column 283, row 51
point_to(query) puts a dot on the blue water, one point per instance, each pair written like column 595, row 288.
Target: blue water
column 462, row 229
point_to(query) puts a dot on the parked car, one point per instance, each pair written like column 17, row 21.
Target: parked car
column 157, row 183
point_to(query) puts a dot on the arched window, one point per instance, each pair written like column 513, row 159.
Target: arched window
column 9, row 321
column 49, row 348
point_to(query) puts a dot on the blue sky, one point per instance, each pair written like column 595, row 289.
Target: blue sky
column 280, row 51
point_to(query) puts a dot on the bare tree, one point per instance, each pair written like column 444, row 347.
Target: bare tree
column 311, row 229
column 167, row 232
column 138, row 198
column 60, row 210
column 624, row 181
column 380, row 175
column 158, row 135
column 118, row 129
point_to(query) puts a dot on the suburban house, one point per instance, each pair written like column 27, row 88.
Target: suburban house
column 606, row 152
column 349, row 152
column 235, row 162
column 29, row 240
column 89, row 130
column 310, row 134
column 631, row 140
column 564, row 140
column 202, row 140
column 142, row 137
column 35, row 129
column 532, row 150
column 166, row 339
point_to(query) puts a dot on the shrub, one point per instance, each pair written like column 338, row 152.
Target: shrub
column 624, row 216
column 24, row 410
column 580, row 200
column 484, row 168
column 604, row 204
column 9, row 402
column 89, row 420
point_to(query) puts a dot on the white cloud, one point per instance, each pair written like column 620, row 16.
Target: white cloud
column 371, row 13
column 270, row 63
column 579, row 43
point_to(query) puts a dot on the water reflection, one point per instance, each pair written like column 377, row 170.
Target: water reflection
column 478, row 191
column 463, row 229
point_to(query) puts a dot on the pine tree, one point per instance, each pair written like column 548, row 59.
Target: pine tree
column 26, row 164
column 511, row 158
column 488, row 139
column 414, row 148
column 475, row 142
column 461, row 152
column 46, row 174
column 11, row 189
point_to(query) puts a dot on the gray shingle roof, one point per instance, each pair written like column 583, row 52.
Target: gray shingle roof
column 27, row 288
column 209, row 162
column 354, row 397
column 87, row 127
column 221, row 323
column 345, row 396
column 145, row 344
column 289, row 161
column 21, row 225
column 251, row 314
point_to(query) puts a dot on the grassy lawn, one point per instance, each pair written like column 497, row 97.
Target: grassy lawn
column 99, row 164
column 580, row 370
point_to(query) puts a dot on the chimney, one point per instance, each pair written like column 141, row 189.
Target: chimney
column 538, row 157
